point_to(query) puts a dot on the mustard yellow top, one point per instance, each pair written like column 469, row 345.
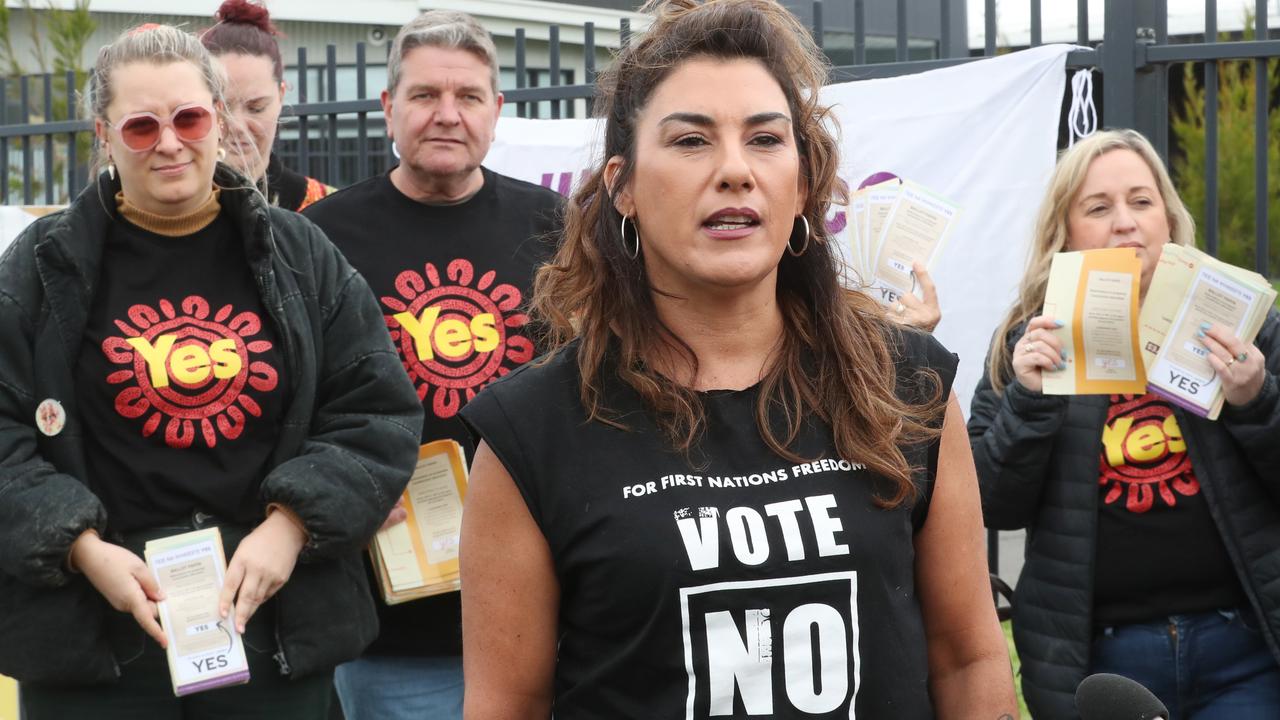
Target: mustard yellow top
column 171, row 226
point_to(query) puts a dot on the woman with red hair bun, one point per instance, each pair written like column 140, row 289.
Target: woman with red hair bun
column 244, row 41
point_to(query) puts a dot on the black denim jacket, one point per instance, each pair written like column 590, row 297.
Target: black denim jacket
column 347, row 446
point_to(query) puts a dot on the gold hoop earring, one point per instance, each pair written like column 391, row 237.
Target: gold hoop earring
column 792, row 250
column 632, row 254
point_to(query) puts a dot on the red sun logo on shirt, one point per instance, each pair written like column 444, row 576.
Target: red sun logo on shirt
column 456, row 333
column 188, row 371
column 1144, row 455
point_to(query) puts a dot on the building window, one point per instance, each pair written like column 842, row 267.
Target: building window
column 375, row 78
column 839, row 47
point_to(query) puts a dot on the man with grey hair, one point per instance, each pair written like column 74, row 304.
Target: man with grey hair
column 449, row 248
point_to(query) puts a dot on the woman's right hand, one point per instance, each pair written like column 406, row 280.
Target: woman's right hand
column 924, row 314
column 122, row 578
column 1036, row 351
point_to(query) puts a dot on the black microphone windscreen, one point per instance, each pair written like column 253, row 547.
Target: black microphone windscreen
column 1114, row 697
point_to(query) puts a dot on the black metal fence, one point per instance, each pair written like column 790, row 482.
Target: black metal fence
column 343, row 140
column 335, row 143
column 334, row 140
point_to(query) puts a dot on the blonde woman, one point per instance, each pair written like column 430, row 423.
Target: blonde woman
column 178, row 355
column 1153, row 535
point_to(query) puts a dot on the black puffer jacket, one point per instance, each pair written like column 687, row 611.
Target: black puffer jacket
column 347, row 446
column 1037, row 459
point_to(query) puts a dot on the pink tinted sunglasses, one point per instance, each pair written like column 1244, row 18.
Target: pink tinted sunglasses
column 140, row 132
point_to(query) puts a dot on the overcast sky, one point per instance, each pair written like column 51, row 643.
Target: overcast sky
column 1014, row 19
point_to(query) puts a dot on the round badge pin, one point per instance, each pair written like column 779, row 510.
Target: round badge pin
column 50, row 417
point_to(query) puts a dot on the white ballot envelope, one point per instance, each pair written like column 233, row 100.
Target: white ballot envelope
column 205, row 651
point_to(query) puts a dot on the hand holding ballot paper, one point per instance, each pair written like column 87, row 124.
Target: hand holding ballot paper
column 419, row 557
column 1093, row 295
column 1195, row 327
column 897, row 230
column 203, row 647
column 1192, row 293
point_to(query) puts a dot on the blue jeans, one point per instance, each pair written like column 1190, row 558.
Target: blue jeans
column 400, row 688
column 1202, row 666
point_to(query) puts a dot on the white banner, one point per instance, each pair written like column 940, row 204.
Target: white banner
column 13, row 220
column 982, row 134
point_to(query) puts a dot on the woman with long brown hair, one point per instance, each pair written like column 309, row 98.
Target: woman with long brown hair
column 733, row 486
column 1153, row 534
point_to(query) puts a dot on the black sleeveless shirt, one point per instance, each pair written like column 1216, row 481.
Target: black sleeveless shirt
column 730, row 583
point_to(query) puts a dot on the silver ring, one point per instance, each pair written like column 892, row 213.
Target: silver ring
column 1027, row 348
column 1242, row 357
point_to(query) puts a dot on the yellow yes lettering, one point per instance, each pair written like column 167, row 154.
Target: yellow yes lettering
column 1145, row 444
column 452, row 337
column 191, row 364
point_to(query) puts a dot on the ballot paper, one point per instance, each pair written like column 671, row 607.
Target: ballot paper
column 915, row 229
column 419, row 557
column 894, row 225
column 857, row 231
column 205, row 651
column 1094, row 294
column 1190, row 288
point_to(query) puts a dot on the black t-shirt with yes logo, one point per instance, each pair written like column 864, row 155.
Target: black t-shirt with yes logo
column 453, row 283
column 180, row 378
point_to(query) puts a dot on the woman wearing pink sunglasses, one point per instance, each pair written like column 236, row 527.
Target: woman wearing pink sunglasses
column 178, row 355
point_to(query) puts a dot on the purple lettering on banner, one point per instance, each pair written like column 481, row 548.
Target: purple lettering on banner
column 877, row 178
column 562, row 187
column 837, row 223
column 560, row 182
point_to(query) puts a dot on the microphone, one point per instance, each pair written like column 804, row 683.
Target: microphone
column 1114, row 697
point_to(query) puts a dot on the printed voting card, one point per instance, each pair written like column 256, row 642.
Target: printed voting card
column 419, row 557
column 1094, row 294
column 893, row 225
column 205, row 651
column 1190, row 288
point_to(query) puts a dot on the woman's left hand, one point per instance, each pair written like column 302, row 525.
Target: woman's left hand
column 910, row 310
column 1241, row 367
column 261, row 566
